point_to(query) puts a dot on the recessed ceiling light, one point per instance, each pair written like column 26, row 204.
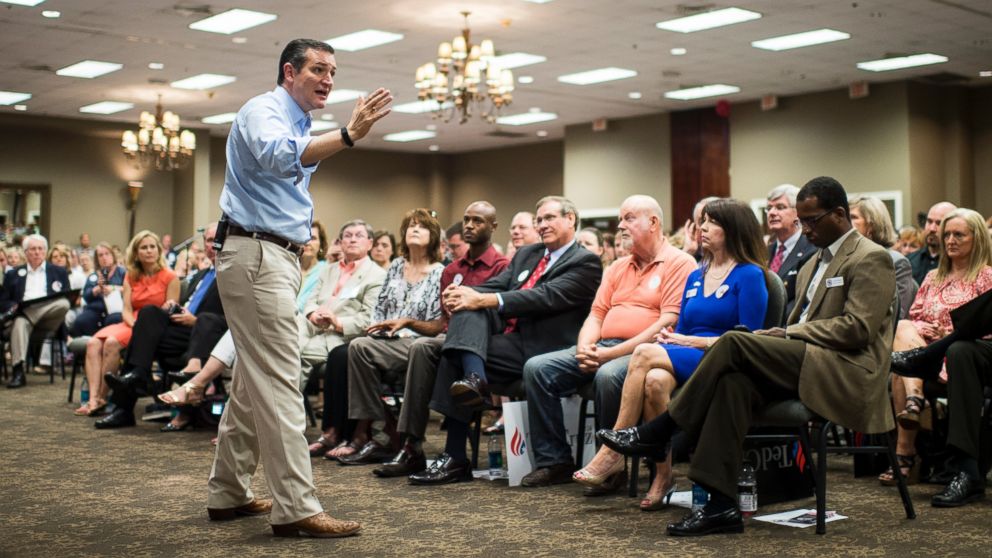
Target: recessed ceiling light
column 360, row 40
column 985, row 73
column 13, row 97
column 525, row 79
column 678, row 51
column 51, row 14
column 327, row 117
column 343, row 95
column 89, row 69
column 23, row 2
column 239, row 40
column 597, row 76
column 409, row 135
column 886, row 64
column 542, row 133
column 634, row 95
column 538, row 1
column 708, row 20
column 232, row 21
column 21, row 108
column 223, row 118
column 702, row 91
column 513, row 60
column 106, row 107
column 321, row 125
column 418, row 107
column 434, row 147
column 431, row 127
column 525, row 118
column 798, row 40
column 203, row 81
column 156, row 66
column 534, row 109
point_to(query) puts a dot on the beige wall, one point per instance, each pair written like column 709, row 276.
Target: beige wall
column 980, row 106
column 631, row 157
column 940, row 146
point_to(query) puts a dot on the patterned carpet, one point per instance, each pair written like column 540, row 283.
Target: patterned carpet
column 70, row 490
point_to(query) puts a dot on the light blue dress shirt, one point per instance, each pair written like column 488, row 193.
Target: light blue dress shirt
column 266, row 187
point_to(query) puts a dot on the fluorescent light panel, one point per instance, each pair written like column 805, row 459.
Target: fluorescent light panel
column 89, row 69
column 106, row 107
column 418, row 107
column 798, row 40
column 518, row 60
column 409, row 135
column 232, row 21
column 223, row 118
column 203, row 81
column 343, row 95
column 23, row 2
column 525, row 118
column 708, row 20
column 886, row 64
column 321, row 125
column 702, row 92
column 13, row 97
column 538, row 1
column 597, row 76
column 361, row 40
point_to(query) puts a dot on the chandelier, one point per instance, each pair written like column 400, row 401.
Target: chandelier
column 465, row 75
column 158, row 141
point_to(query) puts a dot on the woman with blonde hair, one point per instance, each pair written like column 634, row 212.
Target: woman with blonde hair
column 871, row 218
column 148, row 281
column 963, row 272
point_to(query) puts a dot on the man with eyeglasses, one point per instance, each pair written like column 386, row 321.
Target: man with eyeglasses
column 788, row 249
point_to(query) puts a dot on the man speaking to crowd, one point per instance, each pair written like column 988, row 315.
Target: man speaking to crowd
column 267, row 214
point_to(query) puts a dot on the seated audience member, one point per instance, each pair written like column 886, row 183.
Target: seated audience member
column 728, row 290
column 677, row 238
column 639, row 297
column 22, row 284
column 535, row 306
column 60, row 255
column 334, row 252
column 692, row 237
column 148, row 283
column 341, row 302
column 383, row 248
column 963, row 273
column 926, row 259
column 312, row 263
column 790, row 250
column 108, row 278
column 3, row 262
column 456, row 246
column 86, row 263
column 408, row 308
column 479, row 264
column 522, row 232
column 609, row 252
column 988, row 224
column 85, row 246
column 187, row 260
column 15, row 256
column 621, row 247
column 831, row 356
column 178, row 329
column 870, row 217
column 910, row 240
column 591, row 239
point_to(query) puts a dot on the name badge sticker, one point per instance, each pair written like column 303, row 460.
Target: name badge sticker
column 93, row 277
column 835, row 282
column 654, row 283
column 350, row 293
column 523, row 275
column 457, row 281
column 22, row 272
column 793, row 272
column 56, row 285
column 722, row 291
column 691, row 293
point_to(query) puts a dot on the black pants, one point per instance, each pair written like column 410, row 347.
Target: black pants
column 155, row 337
column 89, row 321
column 969, row 371
column 335, row 411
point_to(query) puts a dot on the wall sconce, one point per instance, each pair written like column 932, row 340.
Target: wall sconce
column 133, row 190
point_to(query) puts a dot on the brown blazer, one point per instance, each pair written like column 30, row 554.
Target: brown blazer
column 354, row 304
column 848, row 335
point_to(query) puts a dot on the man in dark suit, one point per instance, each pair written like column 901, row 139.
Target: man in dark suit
column 189, row 329
column 789, row 249
column 22, row 284
column 535, row 306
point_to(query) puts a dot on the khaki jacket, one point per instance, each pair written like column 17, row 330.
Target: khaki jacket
column 354, row 304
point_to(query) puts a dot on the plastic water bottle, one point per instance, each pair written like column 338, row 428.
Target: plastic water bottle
column 747, row 490
column 495, row 457
column 84, row 392
column 699, row 497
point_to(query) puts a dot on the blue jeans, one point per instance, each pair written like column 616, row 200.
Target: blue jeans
column 548, row 378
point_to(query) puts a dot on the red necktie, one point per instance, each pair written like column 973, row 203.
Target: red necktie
column 777, row 260
column 511, row 324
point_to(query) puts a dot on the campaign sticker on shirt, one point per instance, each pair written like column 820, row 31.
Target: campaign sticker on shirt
column 350, row 293
column 654, row 282
column 457, row 281
column 696, row 284
column 523, row 275
column 56, row 285
column 691, row 293
column 835, row 282
column 22, row 272
column 793, row 272
column 93, row 277
column 722, row 291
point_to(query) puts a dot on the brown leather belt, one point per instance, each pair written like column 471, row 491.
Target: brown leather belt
column 293, row 247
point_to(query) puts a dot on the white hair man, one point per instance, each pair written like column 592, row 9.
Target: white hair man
column 788, row 249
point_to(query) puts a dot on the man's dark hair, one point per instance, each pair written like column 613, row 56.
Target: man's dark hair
column 828, row 193
column 453, row 230
column 296, row 54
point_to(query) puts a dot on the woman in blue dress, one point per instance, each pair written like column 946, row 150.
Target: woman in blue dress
column 727, row 290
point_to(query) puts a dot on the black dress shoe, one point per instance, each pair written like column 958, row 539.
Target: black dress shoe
column 559, row 473
column 444, row 470
column 961, row 490
column 615, row 483
column 916, row 363
column 700, row 523
column 628, row 442
column 129, row 383
column 406, row 462
column 17, row 377
column 371, row 453
column 117, row 419
column 472, row 392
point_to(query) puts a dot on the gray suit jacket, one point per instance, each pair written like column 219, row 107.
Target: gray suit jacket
column 354, row 304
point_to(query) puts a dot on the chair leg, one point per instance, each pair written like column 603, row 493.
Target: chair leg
column 907, row 502
column 474, row 437
column 311, row 418
column 72, row 378
column 580, row 438
column 635, row 471
column 821, row 481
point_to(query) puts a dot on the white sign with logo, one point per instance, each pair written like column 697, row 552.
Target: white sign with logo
column 519, row 452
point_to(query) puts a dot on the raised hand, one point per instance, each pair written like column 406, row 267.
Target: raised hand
column 368, row 111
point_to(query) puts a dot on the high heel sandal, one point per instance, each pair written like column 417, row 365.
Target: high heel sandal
column 171, row 427
column 583, row 477
column 909, row 466
column 86, row 411
column 321, row 446
column 194, row 395
column 666, row 498
column 909, row 418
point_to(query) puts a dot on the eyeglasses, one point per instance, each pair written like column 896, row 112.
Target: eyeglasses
column 777, row 207
column 547, row 218
column 349, row 236
column 810, row 222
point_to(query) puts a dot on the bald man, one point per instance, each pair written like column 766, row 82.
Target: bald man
column 522, row 232
column 926, row 258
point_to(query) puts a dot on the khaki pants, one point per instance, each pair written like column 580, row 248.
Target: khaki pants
column 264, row 418
column 44, row 316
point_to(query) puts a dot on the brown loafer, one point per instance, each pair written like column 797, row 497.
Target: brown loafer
column 320, row 525
column 253, row 508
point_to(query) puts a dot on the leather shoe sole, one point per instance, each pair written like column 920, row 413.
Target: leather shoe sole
column 320, row 526
column 251, row 509
column 941, row 503
column 390, row 470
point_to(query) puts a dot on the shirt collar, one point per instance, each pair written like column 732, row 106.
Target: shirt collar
column 296, row 114
column 835, row 245
column 351, row 267
column 790, row 242
column 557, row 253
column 39, row 268
column 488, row 258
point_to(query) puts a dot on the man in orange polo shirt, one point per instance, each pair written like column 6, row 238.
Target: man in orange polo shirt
column 640, row 294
